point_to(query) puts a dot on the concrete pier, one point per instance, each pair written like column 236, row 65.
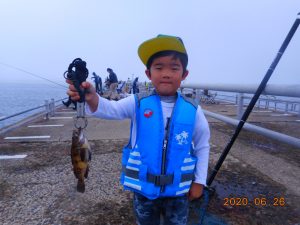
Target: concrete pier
column 259, row 182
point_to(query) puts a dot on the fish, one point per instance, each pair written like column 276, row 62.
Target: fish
column 80, row 156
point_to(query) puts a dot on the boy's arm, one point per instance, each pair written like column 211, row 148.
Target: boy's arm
column 195, row 191
column 201, row 137
column 114, row 110
column 101, row 107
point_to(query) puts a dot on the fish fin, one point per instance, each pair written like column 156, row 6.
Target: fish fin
column 87, row 172
column 90, row 156
column 82, row 155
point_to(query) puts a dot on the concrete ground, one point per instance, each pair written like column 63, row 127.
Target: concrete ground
column 257, row 184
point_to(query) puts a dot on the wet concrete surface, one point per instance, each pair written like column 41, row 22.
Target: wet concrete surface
column 256, row 193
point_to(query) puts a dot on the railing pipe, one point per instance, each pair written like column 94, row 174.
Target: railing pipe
column 47, row 109
column 271, row 89
column 19, row 113
column 32, row 109
column 52, row 103
column 240, row 106
column 259, row 130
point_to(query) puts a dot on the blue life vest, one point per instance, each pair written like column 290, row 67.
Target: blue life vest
column 157, row 166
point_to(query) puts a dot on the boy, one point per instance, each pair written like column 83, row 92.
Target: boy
column 165, row 162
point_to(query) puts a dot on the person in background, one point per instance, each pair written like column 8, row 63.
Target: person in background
column 147, row 86
column 113, row 84
column 98, row 83
column 135, row 88
column 121, row 87
column 128, row 86
column 69, row 102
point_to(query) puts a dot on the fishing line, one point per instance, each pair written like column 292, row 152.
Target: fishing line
column 32, row 74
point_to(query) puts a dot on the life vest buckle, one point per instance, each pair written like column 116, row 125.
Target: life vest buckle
column 160, row 180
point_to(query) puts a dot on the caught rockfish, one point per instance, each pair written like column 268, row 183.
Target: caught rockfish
column 80, row 155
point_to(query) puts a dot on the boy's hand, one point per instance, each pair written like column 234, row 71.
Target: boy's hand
column 91, row 96
column 195, row 191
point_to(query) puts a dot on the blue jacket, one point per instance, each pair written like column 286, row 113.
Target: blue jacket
column 160, row 165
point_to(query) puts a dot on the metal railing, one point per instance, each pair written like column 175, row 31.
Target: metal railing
column 265, row 102
column 49, row 109
column 291, row 106
column 277, row 90
column 271, row 89
column 256, row 129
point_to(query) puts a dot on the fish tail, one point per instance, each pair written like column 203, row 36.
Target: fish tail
column 80, row 186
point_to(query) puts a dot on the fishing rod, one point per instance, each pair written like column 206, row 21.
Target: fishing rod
column 32, row 74
column 254, row 99
column 209, row 191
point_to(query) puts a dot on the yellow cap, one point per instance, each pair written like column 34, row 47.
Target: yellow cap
column 158, row 44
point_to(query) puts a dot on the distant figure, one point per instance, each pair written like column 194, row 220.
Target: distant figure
column 208, row 98
column 147, row 86
column 113, row 84
column 106, row 83
column 205, row 92
column 98, row 83
column 121, row 86
column 135, row 88
column 128, row 86
column 68, row 103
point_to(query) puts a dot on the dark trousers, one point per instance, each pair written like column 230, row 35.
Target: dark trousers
column 171, row 210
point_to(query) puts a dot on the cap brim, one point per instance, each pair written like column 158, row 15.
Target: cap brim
column 158, row 44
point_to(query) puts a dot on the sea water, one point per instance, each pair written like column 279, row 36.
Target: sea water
column 18, row 97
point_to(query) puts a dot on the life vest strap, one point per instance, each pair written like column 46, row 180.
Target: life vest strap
column 158, row 180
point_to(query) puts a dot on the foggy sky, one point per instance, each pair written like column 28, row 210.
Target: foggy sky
column 228, row 41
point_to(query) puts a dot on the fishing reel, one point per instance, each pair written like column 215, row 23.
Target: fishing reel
column 77, row 73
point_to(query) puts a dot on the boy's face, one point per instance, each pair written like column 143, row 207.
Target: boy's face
column 166, row 74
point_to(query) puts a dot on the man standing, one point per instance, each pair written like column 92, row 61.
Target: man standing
column 98, row 83
column 135, row 87
column 113, row 84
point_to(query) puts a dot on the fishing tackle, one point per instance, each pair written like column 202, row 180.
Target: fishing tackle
column 80, row 149
column 78, row 75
